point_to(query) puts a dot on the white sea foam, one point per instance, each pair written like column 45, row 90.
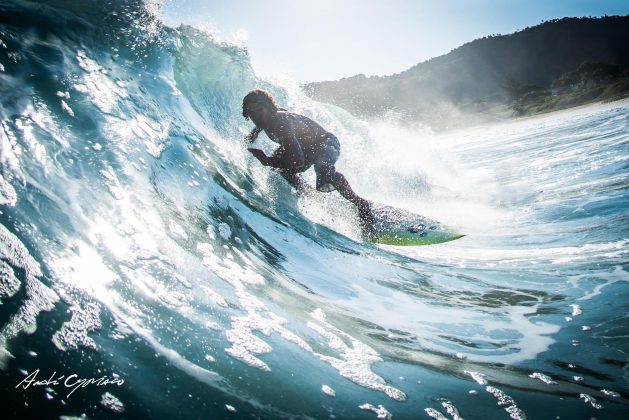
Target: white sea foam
column 609, row 393
column 576, row 310
column 544, row 378
column 39, row 297
column 74, row 333
column 609, row 278
column 507, row 402
column 67, row 108
column 353, row 360
column 214, row 297
column 112, row 403
column 224, row 231
column 102, row 91
column 177, row 230
column 245, row 345
column 588, row 399
column 9, row 284
column 452, row 410
column 380, row 411
column 8, row 196
column 328, row 391
column 435, row 414
column 478, row 377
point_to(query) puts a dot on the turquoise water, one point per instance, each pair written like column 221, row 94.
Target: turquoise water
column 141, row 242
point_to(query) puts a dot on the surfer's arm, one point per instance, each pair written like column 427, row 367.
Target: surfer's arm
column 250, row 138
column 289, row 155
column 280, row 160
column 278, row 154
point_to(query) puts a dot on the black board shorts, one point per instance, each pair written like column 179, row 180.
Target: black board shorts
column 324, row 163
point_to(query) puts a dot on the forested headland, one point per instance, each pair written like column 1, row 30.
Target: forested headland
column 555, row 65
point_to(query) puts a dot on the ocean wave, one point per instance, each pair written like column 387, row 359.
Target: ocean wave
column 137, row 232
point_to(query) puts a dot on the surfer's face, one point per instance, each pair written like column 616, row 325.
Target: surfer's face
column 257, row 112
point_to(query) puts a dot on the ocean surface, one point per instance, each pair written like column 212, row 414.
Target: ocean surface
column 151, row 268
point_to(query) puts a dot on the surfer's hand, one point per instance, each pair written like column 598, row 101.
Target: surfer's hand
column 259, row 154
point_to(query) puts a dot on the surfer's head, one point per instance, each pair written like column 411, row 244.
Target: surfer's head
column 257, row 104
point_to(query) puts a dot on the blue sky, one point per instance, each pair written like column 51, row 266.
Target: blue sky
column 327, row 39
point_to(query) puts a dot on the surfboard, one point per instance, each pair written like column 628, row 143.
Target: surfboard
column 394, row 226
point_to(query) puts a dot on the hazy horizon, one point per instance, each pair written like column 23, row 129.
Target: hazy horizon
column 329, row 41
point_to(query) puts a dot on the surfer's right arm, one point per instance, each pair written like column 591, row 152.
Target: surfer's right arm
column 250, row 138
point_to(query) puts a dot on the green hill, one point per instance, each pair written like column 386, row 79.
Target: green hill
column 550, row 66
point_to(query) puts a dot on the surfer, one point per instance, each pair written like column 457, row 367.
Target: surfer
column 303, row 143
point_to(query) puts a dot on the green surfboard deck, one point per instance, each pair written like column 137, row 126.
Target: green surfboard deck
column 394, row 226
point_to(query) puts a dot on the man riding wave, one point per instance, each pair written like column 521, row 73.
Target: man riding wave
column 303, row 143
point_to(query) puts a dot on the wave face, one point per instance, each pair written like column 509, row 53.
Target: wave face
column 139, row 241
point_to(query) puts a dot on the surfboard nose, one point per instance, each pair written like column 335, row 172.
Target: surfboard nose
column 394, row 226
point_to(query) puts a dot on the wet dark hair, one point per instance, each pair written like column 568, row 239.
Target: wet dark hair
column 258, row 96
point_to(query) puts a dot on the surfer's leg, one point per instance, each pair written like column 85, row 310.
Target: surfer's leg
column 343, row 187
column 324, row 165
column 328, row 179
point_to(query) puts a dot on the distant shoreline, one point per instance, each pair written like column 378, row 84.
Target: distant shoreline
column 576, row 109
column 599, row 105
